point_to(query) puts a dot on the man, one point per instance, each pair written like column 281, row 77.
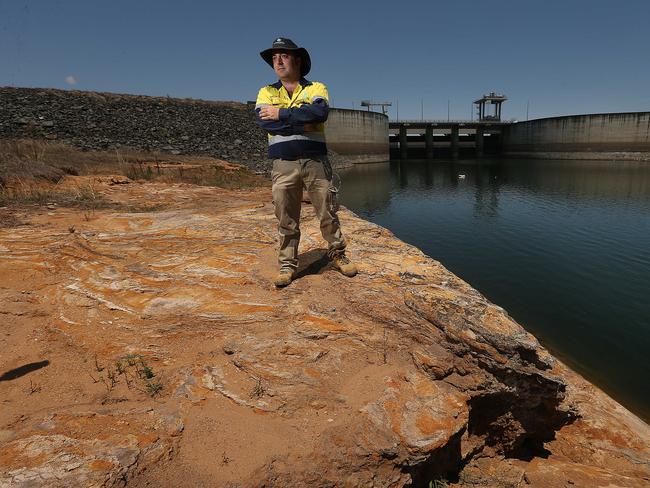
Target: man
column 293, row 112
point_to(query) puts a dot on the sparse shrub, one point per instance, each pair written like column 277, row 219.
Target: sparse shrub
column 23, row 149
column 133, row 370
column 258, row 389
column 153, row 388
column 147, row 372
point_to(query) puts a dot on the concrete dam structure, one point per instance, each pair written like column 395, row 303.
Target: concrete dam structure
column 428, row 139
column 359, row 136
column 617, row 136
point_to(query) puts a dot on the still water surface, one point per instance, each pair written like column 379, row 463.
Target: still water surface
column 564, row 246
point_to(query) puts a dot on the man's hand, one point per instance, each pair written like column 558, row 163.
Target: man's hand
column 270, row 113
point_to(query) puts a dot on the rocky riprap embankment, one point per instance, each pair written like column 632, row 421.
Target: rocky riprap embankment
column 90, row 120
column 401, row 376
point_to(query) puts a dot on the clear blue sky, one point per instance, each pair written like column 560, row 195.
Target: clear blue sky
column 565, row 57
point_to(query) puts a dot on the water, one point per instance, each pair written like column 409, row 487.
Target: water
column 564, row 246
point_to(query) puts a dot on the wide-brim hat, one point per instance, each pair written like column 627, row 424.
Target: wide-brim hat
column 282, row 43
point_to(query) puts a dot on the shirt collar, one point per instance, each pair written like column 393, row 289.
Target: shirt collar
column 303, row 82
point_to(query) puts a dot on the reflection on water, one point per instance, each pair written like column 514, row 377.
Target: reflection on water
column 564, row 246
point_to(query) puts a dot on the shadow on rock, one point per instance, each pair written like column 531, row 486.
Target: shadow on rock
column 12, row 374
column 311, row 263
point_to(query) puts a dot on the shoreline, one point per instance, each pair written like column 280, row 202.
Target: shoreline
column 556, row 326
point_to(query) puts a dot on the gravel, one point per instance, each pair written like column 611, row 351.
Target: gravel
column 109, row 121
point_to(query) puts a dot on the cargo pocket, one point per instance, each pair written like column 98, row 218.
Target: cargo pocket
column 327, row 167
column 332, row 199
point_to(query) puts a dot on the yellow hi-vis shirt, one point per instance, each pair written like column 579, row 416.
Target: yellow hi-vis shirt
column 300, row 132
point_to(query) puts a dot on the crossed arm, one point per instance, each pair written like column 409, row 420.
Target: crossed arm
column 290, row 121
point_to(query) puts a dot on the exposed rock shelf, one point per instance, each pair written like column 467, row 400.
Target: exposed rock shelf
column 400, row 376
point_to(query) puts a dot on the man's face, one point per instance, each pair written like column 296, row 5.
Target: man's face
column 286, row 65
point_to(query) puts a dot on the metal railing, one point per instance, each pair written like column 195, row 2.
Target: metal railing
column 460, row 122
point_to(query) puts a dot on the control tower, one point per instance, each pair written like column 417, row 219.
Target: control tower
column 484, row 113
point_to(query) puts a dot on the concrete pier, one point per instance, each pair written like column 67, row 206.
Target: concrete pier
column 403, row 144
column 454, row 141
column 479, row 142
column 438, row 138
column 428, row 141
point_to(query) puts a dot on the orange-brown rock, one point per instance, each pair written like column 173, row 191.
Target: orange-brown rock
column 151, row 349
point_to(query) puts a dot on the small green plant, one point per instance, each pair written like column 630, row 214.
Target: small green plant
column 153, row 388
column 98, row 367
column 258, row 389
column 119, row 367
column 112, row 377
column 133, row 370
column 131, row 359
column 34, row 388
column 147, row 372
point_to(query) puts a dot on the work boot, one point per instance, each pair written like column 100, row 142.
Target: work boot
column 283, row 278
column 343, row 264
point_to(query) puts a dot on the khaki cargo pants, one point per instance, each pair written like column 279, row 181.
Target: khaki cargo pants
column 289, row 179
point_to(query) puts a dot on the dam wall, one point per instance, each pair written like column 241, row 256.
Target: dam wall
column 358, row 136
column 618, row 136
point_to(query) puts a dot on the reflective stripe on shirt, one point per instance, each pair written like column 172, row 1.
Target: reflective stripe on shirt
column 315, row 137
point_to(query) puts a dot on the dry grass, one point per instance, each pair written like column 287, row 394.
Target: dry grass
column 31, row 169
column 26, row 193
column 74, row 161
